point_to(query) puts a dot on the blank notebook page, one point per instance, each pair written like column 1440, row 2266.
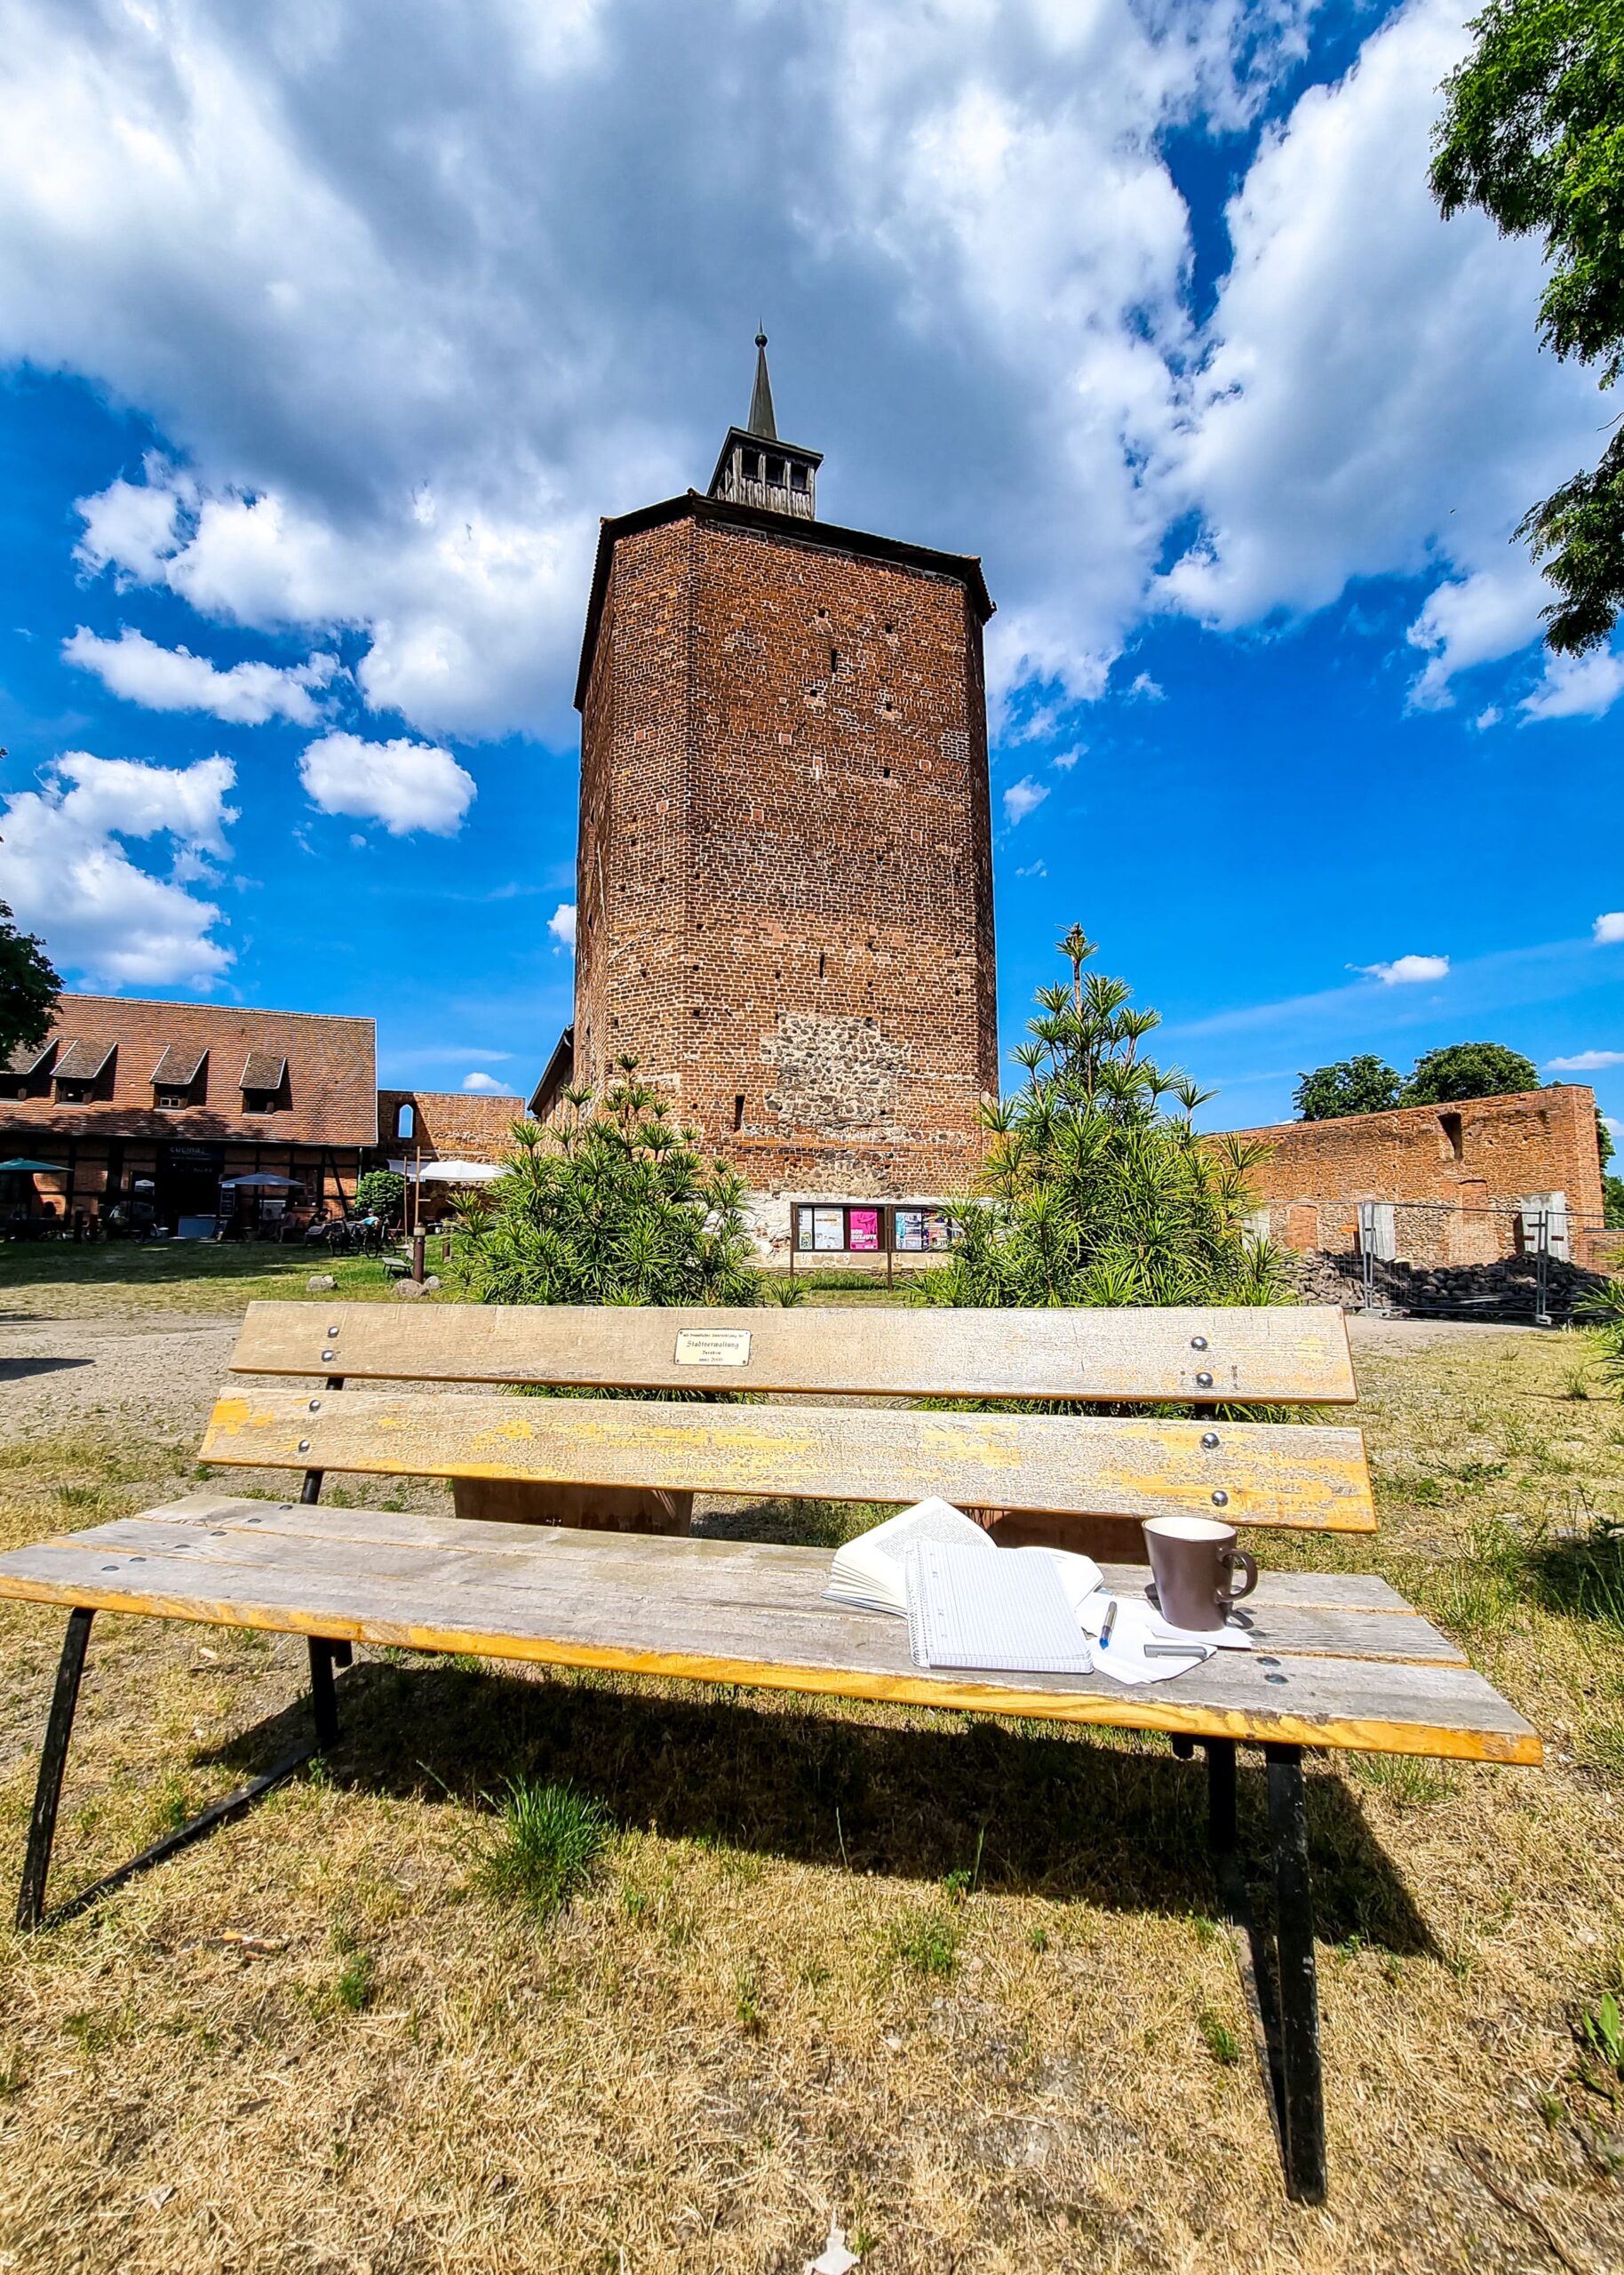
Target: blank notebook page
column 1007, row 1612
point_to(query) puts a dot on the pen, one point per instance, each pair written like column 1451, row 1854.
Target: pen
column 1107, row 1624
column 1178, row 1650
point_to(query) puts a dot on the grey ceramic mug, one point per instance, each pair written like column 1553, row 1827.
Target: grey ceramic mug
column 1196, row 1563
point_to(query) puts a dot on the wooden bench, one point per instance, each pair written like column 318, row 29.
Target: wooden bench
column 1338, row 1660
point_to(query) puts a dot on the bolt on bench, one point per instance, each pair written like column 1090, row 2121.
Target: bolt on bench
column 1338, row 1660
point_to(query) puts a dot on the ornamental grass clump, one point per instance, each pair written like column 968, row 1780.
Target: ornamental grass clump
column 612, row 1206
column 1096, row 1188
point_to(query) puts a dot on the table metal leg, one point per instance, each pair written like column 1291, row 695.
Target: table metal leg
column 1302, row 2112
column 53, row 1763
column 1221, row 1822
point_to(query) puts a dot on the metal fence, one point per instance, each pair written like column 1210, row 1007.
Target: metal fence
column 1531, row 1261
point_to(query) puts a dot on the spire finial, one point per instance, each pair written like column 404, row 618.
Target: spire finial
column 762, row 420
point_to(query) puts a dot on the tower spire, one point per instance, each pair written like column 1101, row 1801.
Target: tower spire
column 762, row 420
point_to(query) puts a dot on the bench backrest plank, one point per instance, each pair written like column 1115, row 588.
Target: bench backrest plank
column 1275, row 1356
column 1291, row 1474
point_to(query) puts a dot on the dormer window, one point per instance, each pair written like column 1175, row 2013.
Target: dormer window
column 264, row 1082
column 178, row 1079
column 23, row 1070
column 79, row 1072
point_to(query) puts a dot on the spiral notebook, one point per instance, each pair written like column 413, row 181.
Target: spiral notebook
column 1008, row 1613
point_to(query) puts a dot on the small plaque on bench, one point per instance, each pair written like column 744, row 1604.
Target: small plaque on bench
column 712, row 1346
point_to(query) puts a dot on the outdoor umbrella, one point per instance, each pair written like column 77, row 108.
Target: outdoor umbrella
column 264, row 1177
column 57, row 1169
column 460, row 1172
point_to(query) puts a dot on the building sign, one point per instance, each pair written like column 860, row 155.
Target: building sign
column 712, row 1346
column 918, row 1230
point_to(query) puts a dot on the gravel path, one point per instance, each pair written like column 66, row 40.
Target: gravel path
column 162, row 1368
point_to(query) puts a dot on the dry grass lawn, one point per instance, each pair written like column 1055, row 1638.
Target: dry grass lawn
column 315, row 2042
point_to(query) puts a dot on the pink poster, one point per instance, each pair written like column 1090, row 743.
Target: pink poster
column 865, row 1230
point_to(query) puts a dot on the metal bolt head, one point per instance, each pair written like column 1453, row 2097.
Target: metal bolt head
column 315, row 1406
column 1198, row 1342
column 330, row 1354
column 331, row 1332
column 302, row 1447
column 1204, row 1382
column 1274, row 1678
column 1221, row 1499
column 1209, row 1440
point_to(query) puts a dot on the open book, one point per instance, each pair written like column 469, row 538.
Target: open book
column 869, row 1573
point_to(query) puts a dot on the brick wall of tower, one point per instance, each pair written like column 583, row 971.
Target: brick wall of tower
column 785, row 886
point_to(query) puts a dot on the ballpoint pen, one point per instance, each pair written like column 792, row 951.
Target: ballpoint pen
column 1107, row 1624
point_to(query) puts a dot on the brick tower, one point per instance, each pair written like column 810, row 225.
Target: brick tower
column 785, row 903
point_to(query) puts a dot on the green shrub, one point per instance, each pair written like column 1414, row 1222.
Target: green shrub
column 612, row 1207
column 1098, row 1189
column 381, row 1193
column 545, row 1846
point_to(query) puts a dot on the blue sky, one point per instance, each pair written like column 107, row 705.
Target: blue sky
column 328, row 333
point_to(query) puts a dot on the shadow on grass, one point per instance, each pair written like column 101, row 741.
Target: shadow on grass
column 1581, row 1573
column 1074, row 1817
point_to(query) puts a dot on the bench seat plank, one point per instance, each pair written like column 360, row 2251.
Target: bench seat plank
column 740, row 1613
column 1279, row 1355
column 1306, row 1476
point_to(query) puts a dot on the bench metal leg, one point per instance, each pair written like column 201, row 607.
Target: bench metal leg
column 1303, row 2113
column 53, row 1762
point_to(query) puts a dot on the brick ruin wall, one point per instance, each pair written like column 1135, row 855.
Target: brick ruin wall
column 785, row 874
column 448, row 1125
column 1459, row 1175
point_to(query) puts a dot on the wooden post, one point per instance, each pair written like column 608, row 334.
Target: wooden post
column 419, row 1242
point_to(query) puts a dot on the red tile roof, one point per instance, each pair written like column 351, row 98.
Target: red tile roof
column 329, row 1095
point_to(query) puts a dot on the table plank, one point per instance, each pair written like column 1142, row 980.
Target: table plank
column 540, row 1566
column 1282, row 1354
column 758, row 1621
column 1272, row 1474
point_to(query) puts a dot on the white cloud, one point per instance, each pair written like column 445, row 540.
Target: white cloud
column 1586, row 1062
column 406, row 785
column 1608, row 928
column 1489, row 716
column 1023, row 798
column 1376, row 401
column 1576, row 687
column 1407, row 971
column 481, row 1082
column 1148, row 689
column 562, row 924
column 1034, row 869
column 174, row 679
column 1068, row 759
column 408, row 345
column 68, row 876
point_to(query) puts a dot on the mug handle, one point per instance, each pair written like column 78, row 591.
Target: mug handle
column 1233, row 1557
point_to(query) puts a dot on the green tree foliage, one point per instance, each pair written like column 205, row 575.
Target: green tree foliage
column 1362, row 1085
column 613, row 1207
column 1532, row 131
column 381, row 1193
column 1468, row 1070
column 1612, row 1202
column 1097, row 1188
column 28, row 988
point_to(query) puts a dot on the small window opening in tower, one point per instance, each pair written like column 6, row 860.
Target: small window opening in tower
column 835, row 661
column 1455, row 1135
column 797, row 479
column 775, row 473
column 738, row 1111
column 405, row 1122
column 820, row 963
column 752, row 465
